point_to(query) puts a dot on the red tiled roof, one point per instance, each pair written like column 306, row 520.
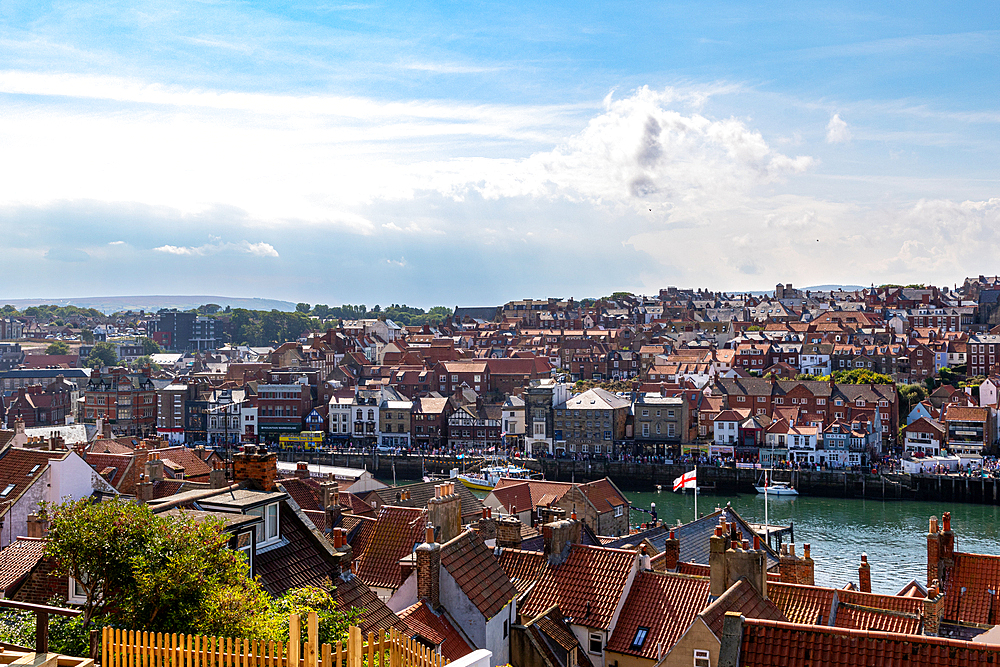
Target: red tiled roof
column 693, row 568
column 359, row 531
column 664, row 602
column 112, row 467
column 866, row 618
column 396, row 532
column 536, row 488
column 976, row 574
column 802, row 604
column 191, row 462
column 522, row 567
column 18, row 467
column 476, row 571
column 768, row 643
column 587, row 586
column 18, row 559
column 603, row 495
column 514, row 498
column 436, row 628
column 741, row 597
column 304, row 493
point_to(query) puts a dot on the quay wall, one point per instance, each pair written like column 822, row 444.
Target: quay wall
column 631, row 476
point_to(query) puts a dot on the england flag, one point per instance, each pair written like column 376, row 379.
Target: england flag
column 688, row 480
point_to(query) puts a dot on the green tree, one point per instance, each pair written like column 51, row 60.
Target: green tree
column 150, row 346
column 87, row 336
column 909, row 396
column 102, row 354
column 172, row 574
column 861, row 376
column 145, row 361
column 58, row 347
column 302, row 308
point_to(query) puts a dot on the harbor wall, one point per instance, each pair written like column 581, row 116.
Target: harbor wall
column 631, row 476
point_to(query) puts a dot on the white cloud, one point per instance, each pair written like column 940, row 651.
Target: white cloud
column 116, row 243
column 837, row 131
column 257, row 249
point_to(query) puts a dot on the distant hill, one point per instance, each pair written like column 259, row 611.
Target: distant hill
column 111, row 304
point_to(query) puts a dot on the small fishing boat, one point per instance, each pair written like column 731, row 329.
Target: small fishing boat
column 487, row 478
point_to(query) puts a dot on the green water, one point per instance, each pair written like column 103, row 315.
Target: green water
column 893, row 534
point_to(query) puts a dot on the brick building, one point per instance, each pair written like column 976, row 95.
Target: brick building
column 125, row 399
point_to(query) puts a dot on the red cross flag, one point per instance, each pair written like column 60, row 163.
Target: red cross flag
column 688, row 480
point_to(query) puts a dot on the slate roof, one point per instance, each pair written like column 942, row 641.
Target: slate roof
column 422, row 492
column 299, row 562
column 587, row 586
column 522, row 567
column 694, row 537
column 767, row 643
column 436, row 628
column 664, row 602
column 476, row 571
column 396, row 532
column 349, row 591
column 18, row 559
column 741, row 597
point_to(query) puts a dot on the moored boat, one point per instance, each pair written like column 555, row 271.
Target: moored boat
column 777, row 489
column 487, row 478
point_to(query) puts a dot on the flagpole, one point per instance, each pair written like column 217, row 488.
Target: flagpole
column 696, row 493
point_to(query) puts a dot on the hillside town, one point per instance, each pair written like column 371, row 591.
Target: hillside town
column 835, row 379
column 169, row 412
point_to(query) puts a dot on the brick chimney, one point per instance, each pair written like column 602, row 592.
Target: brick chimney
column 947, row 553
column 217, row 476
column 558, row 536
column 445, row 512
column 144, row 489
column 37, row 526
column 153, row 468
column 717, row 560
column 257, row 466
column 743, row 561
column 429, row 569
column 344, row 553
column 672, row 549
column 329, row 497
column 933, row 609
column 795, row 570
column 508, row 532
column 933, row 551
column 865, row 575
column 302, row 470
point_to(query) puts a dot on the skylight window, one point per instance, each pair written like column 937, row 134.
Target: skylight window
column 6, row 492
column 640, row 637
column 34, row 469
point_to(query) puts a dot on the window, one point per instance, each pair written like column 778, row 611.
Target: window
column 6, row 491
column 268, row 533
column 640, row 637
column 596, row 643
column 618, row 510
column 77, row 594
column 702, row 659
column 505, row 624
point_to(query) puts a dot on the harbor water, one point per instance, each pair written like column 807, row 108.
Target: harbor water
column 892, row 533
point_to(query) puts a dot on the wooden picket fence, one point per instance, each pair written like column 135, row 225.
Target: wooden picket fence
column 137, row 648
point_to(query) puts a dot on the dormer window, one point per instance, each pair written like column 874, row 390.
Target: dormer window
column 268, row 533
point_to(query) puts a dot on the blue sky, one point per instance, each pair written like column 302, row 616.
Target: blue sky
column 464, row 153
